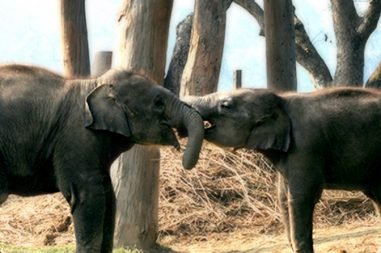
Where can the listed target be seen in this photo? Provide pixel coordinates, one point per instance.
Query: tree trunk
(143, 28)
(202, 69)
(74, 38)
(350, 47)
(280, 45)
(179, 56)
(352, 33)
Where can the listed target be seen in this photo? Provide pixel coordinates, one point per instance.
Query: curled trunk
(183, 116)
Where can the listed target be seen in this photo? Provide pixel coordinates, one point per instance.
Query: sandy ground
(355, 238)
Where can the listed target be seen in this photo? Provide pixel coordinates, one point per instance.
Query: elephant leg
(87, 198)
(283, 205)
(3, 187)
(109, 218)
(302, 196)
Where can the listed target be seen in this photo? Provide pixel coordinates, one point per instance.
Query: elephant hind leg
(3, 187)
(283, 205)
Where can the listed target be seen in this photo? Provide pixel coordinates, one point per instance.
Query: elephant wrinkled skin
(62, 135)
(328, 139)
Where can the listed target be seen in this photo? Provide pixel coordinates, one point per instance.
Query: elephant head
(246, 118)
(135, 107)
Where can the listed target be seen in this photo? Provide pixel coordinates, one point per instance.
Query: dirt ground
(45, 220)
(230, 206)
(355, 238)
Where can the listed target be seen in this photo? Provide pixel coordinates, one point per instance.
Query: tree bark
(352, 33)
(280, 45)
(179, 56)
(74, 38)
(143, 28)
(306, 54)
(308, 57)
(201, 72)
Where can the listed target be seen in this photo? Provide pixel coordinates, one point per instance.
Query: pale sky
(31, 35)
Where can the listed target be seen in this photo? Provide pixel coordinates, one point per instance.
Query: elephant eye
(159, 104)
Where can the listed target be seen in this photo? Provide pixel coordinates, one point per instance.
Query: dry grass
(235, 190)
(227, 192)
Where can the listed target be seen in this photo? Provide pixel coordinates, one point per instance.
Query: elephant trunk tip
(190, 163)
(193, 148)
(187, 122)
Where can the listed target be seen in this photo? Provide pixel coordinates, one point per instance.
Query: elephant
(325, 139)
(62, 135)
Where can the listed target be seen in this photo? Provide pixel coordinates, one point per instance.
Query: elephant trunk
(183, 116)
(205, 105)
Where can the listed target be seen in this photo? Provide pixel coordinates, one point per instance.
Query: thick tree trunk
(352, 33)
(306, 53)
(201, 72)
(74, 38)
(350, 47)
(280, 45)
(143, 28)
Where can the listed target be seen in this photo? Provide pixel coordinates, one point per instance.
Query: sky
(33, 36)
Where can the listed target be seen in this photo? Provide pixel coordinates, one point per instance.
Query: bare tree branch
(309, 58)
(306, 54)
(227, 4)
(345, 17)
(255, 10)
(370, 19)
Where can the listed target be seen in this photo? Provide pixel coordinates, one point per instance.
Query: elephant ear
(272, 132)
(103, 112)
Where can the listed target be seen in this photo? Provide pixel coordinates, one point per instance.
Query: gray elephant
(328, 139)
(62, 135)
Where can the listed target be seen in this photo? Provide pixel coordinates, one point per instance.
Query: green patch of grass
(53, 249)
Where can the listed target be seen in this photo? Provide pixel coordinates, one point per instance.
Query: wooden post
(237, 79)
(143, 29)
(74, 38)
(280, 44)
(102, 62)
(202, 70)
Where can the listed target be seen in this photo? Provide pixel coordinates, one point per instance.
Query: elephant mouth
(168, 135)
(209, 126)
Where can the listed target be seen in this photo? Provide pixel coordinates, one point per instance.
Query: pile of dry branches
(231, 190)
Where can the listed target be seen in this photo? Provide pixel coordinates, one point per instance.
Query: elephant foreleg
(301, 225)
(87, 199)
(302, 197)
(109, 218)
